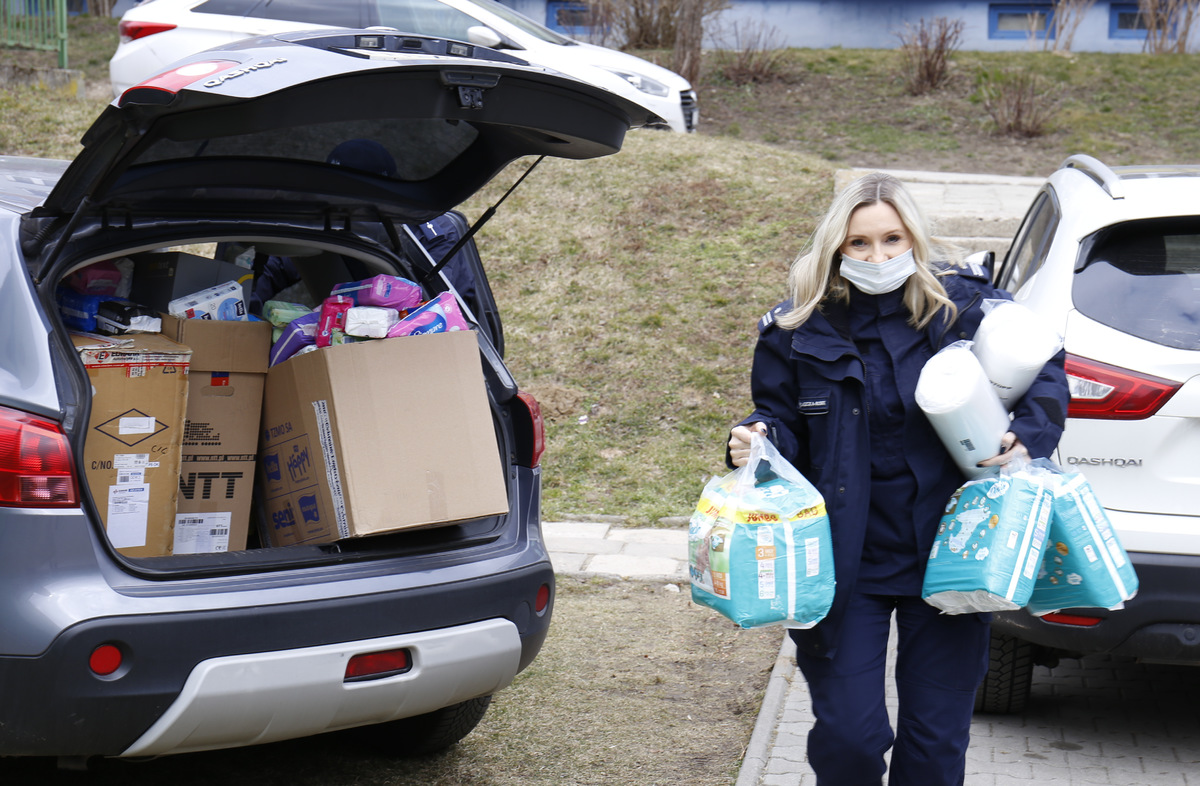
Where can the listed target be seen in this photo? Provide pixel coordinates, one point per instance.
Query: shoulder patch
(768, 318)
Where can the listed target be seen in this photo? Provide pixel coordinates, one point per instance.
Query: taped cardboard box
(348, 449)
(220, 438)
(135, 434)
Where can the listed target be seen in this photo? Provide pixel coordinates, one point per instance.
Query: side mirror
(484, 36)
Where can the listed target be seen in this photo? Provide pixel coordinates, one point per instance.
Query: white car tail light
(36, 470)
(1106, 392)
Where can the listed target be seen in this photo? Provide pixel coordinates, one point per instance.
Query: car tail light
(169, 83)
(1099, 390)
(36, 470)
(376, 665)
(1072, 619)
(132, 31)
(543, 598)
(530, 454)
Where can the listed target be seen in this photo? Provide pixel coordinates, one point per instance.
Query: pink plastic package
(99, 278)
(440, 315)
(391, 291)
(333, 318)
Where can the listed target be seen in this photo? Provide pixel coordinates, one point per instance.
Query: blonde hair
(814, 276)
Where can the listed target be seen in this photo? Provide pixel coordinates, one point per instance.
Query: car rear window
(408, 150)
(1143, 278)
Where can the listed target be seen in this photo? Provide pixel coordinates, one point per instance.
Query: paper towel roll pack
(962, 406)
(989, 544)
(759, 546)
(1012, 344)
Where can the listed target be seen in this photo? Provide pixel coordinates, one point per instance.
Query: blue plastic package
(759, 545)
(1085, 564)
(989, 544)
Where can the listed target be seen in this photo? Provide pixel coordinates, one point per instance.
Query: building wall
(874, 24)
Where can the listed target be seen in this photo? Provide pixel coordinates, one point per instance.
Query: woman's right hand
(739, 442)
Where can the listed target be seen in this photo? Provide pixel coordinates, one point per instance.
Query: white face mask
(877, 278)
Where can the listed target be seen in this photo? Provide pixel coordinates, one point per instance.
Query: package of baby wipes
(1012, 344)
(759, 545)
(1085, 564)
(962, 406)
(990, 543)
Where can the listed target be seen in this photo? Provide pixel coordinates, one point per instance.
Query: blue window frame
(1021, 20)
(1125, 21)
(568, 16)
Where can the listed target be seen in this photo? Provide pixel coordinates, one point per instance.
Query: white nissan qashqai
(1112, 257)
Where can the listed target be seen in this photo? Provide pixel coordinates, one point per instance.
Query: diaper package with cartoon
(989, 544)
(1085, 564)
(759, 546)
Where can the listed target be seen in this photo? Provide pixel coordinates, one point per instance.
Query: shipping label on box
(133, 449)
(345, 446)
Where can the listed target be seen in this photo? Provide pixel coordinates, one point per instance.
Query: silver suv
(1112, 257)
(106, 649)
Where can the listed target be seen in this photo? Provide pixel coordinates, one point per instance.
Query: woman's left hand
(1010, 449)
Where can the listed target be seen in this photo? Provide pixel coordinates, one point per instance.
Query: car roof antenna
(483, 219)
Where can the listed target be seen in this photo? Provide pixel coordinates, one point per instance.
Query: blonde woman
(834, 375)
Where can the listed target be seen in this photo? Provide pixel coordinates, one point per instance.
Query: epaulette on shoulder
(967, 269)
(768, 319)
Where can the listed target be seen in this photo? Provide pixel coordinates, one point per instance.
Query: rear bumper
(1162, 623)
(54, 705)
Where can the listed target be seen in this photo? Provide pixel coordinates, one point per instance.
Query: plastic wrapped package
(759, 545)
(989, 544)
(439, 315)
(300, 332)
(1012, 344)
(962, 406)
(382, 290)
(1085, 564)
(331, 325)
(279, 313)
(223, 302)
(370, 321)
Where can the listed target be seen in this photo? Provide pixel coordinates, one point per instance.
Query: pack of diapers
(759, 545)
(990, 543)
(1085, 564)
(962, 406)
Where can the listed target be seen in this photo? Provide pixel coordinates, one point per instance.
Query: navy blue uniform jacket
(807, 386)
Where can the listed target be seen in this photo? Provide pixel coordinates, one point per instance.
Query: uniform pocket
(815, 407)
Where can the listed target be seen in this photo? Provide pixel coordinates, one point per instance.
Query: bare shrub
(689, 38)
(1168, 25)
(925, 51)
(1068, 14)
(650, 24)
(1021, 103)
(748, 52)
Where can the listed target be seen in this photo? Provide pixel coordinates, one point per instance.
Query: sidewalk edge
(758, 751)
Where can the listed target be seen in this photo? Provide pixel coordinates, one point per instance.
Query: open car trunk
(332, 157)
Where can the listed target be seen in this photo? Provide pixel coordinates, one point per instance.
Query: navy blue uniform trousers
(941, 659)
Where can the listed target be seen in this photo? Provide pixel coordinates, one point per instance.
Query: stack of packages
(177, 369)
(1028, 535)
(379, 307)
(759, 545)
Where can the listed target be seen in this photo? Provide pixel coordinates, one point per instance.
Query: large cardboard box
(220, 438)
(379, 436)
(162, 276)
(135, 433)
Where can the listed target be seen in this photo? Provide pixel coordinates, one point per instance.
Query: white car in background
(1112, 257)
(155, 33)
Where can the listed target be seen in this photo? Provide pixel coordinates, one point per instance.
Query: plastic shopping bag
(759, 545)
(990, 543)
(1085, 564)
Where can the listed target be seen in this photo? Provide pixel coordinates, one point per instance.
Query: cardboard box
(377, 436)
(135, 433)
(220, 438)
(162, 276)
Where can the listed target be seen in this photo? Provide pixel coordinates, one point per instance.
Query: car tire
(422, 735)
(1005, 687)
